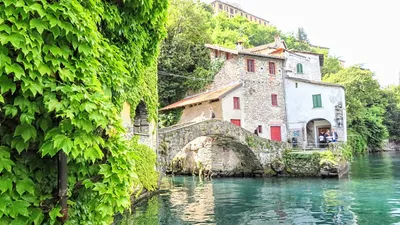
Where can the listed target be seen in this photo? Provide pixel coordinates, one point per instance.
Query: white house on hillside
(312, 106)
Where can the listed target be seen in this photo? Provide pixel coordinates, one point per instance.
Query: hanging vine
(66, 67)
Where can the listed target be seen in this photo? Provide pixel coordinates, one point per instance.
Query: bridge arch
(253, 153)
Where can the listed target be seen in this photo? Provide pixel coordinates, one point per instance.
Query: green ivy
(66, 67)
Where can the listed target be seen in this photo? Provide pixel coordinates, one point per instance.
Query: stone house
(312, 106)
(273, 90)
(248, 91)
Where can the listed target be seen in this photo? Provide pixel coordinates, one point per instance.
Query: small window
(274, 99)
(236, 103)
(300, 68)
(317, 101)
(220, 6)
(231, 11)
(250, 65)
(228, 55)
(265, 23)
(271, 67)
(241, 14)
(296, 85)
(260, 129)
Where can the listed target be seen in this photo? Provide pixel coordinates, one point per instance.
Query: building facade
(273, 91)
(233, 10)
(248, 91)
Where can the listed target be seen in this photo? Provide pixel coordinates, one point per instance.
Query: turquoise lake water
(370, 194)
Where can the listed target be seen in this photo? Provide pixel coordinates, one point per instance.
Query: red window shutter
(259, 129)
(274, 99)
(276, 133)
(236, 103)
(250, 65)
(271, 68)
(236, 122)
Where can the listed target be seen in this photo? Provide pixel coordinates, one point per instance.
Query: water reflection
(369, 195)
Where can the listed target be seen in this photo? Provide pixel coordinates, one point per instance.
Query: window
(250, 65)
(296, 85)
(271, 67)
(265, 23)
(274, 99)
(236, 103)
(216, 53)
(220, 6)
(241, 14)
(231, 11)
(227, 55)
(317, 102)
(299, 68)
(259, 129)
(236, 122)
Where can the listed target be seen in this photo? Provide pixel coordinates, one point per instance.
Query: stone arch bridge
(231, 150)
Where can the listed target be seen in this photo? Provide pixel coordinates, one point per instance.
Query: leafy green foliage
(66, 67)
(145, 161)
(227, 31)
(392, 114)
(302, 35)
(365, 106)
(183, 52)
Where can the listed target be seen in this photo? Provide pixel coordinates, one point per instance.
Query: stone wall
(391, 146)
(325, 164)
(302, 164)
(224, 148)
(257, 90)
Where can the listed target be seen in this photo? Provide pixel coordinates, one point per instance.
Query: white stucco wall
(228, 111)
(300, 111)
(310, 62)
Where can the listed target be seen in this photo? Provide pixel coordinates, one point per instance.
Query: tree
(365, 106)
(392, 114)
(302, 35)
(66, 67)
(228, 31)
(331, 65)
(183, 53)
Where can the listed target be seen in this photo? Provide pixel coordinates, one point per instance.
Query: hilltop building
(232, 10)
(273, 91)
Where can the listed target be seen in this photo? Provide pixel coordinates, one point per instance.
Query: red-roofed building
(248, 91)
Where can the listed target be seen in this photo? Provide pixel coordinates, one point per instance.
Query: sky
(356, 31)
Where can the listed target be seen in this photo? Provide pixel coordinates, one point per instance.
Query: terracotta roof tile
(203, 97)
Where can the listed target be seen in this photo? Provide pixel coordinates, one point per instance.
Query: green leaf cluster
(392, 114)
(66, 68)
(365, 107)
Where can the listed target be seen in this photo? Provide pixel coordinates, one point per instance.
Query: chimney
(239, 45)
(277, 39)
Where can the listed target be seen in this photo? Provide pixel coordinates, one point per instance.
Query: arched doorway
(313, 128)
